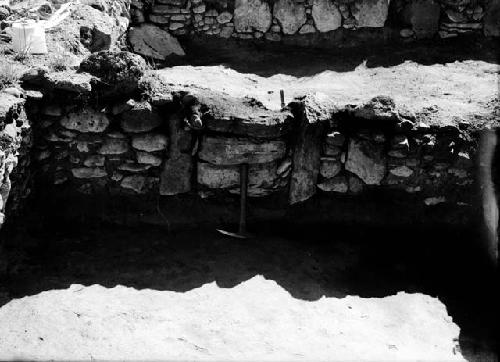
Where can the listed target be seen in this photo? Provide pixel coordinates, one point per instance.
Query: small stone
(114, 146)
(455, 16)
(285, 166)
(53, 110)
(355, 184)
(335, 184)
(86, 121)
(122, 107)
(273, 37)
(401, 171)
(136, 183)
(94, 160)
(224, 17)
(329, 167)
(148, 158)
(307, 29)
(335, 139)
(133, 167)
(406, 33)
(199, 9)
(141, 118)
(150, 142)
(88, 172)
(430, 201)
(212, 13)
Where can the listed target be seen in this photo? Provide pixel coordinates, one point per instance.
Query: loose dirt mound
(256, 320)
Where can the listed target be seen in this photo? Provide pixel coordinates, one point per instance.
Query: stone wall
(140, 147)
(15, 144)
(302, 21)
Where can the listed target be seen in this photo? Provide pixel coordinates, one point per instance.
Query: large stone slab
(366, 160)
(153, 42)
(261, 177)
(176, 175)
(370, 13)
(313, 114)
(86, 120)
(233, 151)
(178, 167)
(252, 15)
(423, 16)
(290, 14)
(326, 15)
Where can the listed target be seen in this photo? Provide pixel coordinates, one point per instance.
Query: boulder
(233, 151)
(326, 15)
(370, 13)
(250, 15)
(86, 120)
(150, 142)
(290, 14)
(119, 72)
(366, 160)
(141, 118)
(491, 19)
(153, 42)
(423, 17)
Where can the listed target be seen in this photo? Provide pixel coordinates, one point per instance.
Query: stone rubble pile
(15, 145)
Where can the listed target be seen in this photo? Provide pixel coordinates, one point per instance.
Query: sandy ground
(141, 294)
(255, 320)
(444, 93)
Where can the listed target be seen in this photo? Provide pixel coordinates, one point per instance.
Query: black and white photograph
(249, 180)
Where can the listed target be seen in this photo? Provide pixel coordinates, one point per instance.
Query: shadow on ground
(309, 262)
(266, 61)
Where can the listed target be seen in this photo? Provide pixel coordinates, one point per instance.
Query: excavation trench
(364, 184)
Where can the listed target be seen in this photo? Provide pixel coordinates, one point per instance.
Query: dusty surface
(203, 296)
(255, 320)
(440, 93)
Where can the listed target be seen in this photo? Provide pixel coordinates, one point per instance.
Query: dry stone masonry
(137, 146)
(155, 27)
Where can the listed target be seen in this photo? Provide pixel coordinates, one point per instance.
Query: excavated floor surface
(442, 83)
(298, 265)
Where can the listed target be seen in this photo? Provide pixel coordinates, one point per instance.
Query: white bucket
(29, 37)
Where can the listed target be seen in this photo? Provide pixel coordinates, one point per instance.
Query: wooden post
(282, 97)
